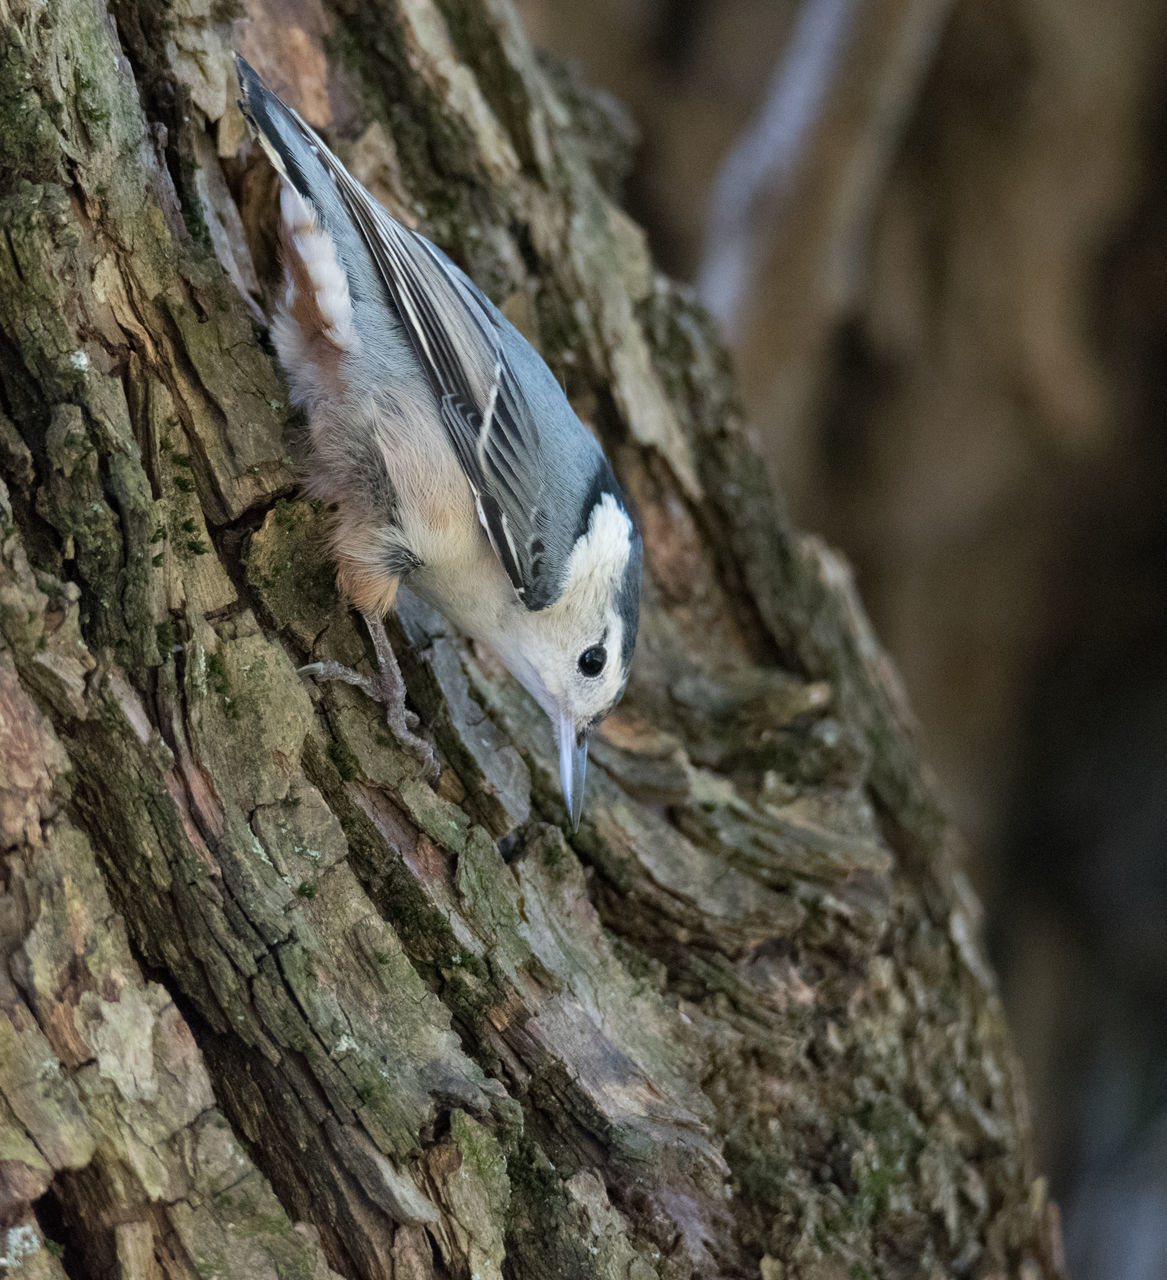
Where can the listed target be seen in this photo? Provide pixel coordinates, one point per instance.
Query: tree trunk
(275, 1006)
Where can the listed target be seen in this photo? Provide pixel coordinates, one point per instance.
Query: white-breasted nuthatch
(451, 454)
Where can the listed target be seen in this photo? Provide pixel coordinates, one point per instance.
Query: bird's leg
(386, 687)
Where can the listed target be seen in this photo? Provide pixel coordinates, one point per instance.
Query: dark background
(936, 236)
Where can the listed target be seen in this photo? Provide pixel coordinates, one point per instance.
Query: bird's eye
(591, 661)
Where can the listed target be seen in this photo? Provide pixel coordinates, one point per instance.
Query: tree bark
(275, 1006)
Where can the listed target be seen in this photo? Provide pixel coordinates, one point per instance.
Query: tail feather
(310, 170)
(314, 328)
(286, 140)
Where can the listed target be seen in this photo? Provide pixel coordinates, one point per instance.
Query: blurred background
(935, 234)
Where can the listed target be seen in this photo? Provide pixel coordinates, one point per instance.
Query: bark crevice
(290, 1010)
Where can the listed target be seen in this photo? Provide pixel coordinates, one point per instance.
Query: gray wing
(461, 342)
(458, 340)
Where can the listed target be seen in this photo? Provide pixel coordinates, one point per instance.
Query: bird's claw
(331, 670)
(419, 748)
(384, 689)
(403, 721)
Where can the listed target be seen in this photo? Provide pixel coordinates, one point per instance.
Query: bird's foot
(388, 688)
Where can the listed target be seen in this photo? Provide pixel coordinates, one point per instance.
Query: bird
(447, 451)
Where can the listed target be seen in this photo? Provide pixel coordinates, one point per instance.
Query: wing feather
(517, 474)
(497, 451)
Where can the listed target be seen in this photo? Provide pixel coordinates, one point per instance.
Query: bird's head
(574, 655)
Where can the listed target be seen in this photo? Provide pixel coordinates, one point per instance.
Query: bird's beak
(573, 766)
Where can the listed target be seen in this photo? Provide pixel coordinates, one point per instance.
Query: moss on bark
(276, 1006)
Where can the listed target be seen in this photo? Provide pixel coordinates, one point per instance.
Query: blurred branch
(795, 196)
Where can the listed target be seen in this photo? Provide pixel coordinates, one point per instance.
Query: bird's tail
(290, 144)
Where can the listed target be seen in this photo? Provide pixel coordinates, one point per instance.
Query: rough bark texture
(274, 1006)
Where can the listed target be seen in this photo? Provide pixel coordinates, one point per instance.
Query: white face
(574, 649)
(579, 663)
(571, 655)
